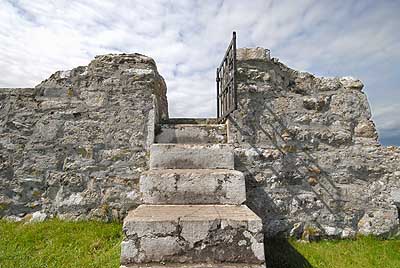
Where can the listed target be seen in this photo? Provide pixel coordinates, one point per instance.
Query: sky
(188, 38)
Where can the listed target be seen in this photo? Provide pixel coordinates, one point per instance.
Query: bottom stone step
(216, 235)
(196, 265)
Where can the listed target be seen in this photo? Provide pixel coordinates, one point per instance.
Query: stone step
(192, 234)
(191, 156)
(191, 133)
(192, 121)
(194, 265)
(193, 186)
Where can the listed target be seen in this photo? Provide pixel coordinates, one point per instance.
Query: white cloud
(387, 119)
(187, 39)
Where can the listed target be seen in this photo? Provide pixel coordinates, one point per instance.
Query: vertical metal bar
(218, 99)
(234, 72)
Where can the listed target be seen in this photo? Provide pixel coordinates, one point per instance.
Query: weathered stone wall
(310, 153)
(75, 145)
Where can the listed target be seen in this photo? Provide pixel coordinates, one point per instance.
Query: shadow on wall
(279, 253)
(297, 167)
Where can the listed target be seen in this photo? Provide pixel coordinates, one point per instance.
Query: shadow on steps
(279, 253)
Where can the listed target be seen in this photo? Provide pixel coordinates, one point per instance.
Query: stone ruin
(299, 158)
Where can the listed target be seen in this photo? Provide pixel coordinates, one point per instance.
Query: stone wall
(310, 153)
(75, 145)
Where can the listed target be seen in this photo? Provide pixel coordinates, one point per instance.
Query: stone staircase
(192, 216)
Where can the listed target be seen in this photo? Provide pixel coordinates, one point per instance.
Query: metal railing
(226, 82)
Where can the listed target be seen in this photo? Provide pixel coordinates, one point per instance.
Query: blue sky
(187, 39)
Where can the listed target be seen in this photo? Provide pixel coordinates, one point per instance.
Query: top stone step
(191, 134)
(190, 121)
(190, 131)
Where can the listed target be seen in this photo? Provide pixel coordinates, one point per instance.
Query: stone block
(193, 186)
(349, 82)
(366, 129)
(191, 133)
(379, 222)
(191, 156)
(211, 234)
(257, 53)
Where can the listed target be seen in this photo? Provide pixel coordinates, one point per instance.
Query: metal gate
(226, 82)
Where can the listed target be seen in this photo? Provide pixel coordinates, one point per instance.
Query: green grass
(364, 252)
(57, 243)
(89, 244)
